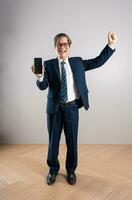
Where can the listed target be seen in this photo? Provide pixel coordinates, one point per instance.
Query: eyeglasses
(62, 44)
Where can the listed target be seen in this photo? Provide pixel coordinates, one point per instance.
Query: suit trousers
(66, 119)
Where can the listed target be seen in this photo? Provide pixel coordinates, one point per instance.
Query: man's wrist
(40, 78)
(111, 46)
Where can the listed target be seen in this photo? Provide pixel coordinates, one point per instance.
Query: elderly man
(64, 77)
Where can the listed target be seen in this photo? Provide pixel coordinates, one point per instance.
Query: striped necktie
(63, 92)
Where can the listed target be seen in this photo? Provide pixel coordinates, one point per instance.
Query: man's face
(62, 48)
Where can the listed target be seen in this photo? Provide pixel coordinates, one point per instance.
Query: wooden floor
(104, 173)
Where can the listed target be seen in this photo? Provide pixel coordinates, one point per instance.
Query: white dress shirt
(72, 91)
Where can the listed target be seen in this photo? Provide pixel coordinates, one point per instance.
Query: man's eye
(64, 44)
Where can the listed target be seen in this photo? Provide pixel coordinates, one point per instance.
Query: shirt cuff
(40, 79)
(111, 47)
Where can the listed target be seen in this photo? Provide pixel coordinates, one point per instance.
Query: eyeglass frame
(62, 44)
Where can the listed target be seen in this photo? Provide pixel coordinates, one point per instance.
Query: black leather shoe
(51, 178)
(71, 178)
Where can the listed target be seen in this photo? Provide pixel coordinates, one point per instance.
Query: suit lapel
(56, 67)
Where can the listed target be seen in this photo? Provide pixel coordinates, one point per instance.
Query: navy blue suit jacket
(78, 66)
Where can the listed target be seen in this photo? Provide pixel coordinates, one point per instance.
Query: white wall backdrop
(27, 29)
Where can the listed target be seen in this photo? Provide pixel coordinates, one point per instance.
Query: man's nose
(62, 47)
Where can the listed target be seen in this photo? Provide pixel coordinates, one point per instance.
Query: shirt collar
(66, 60)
